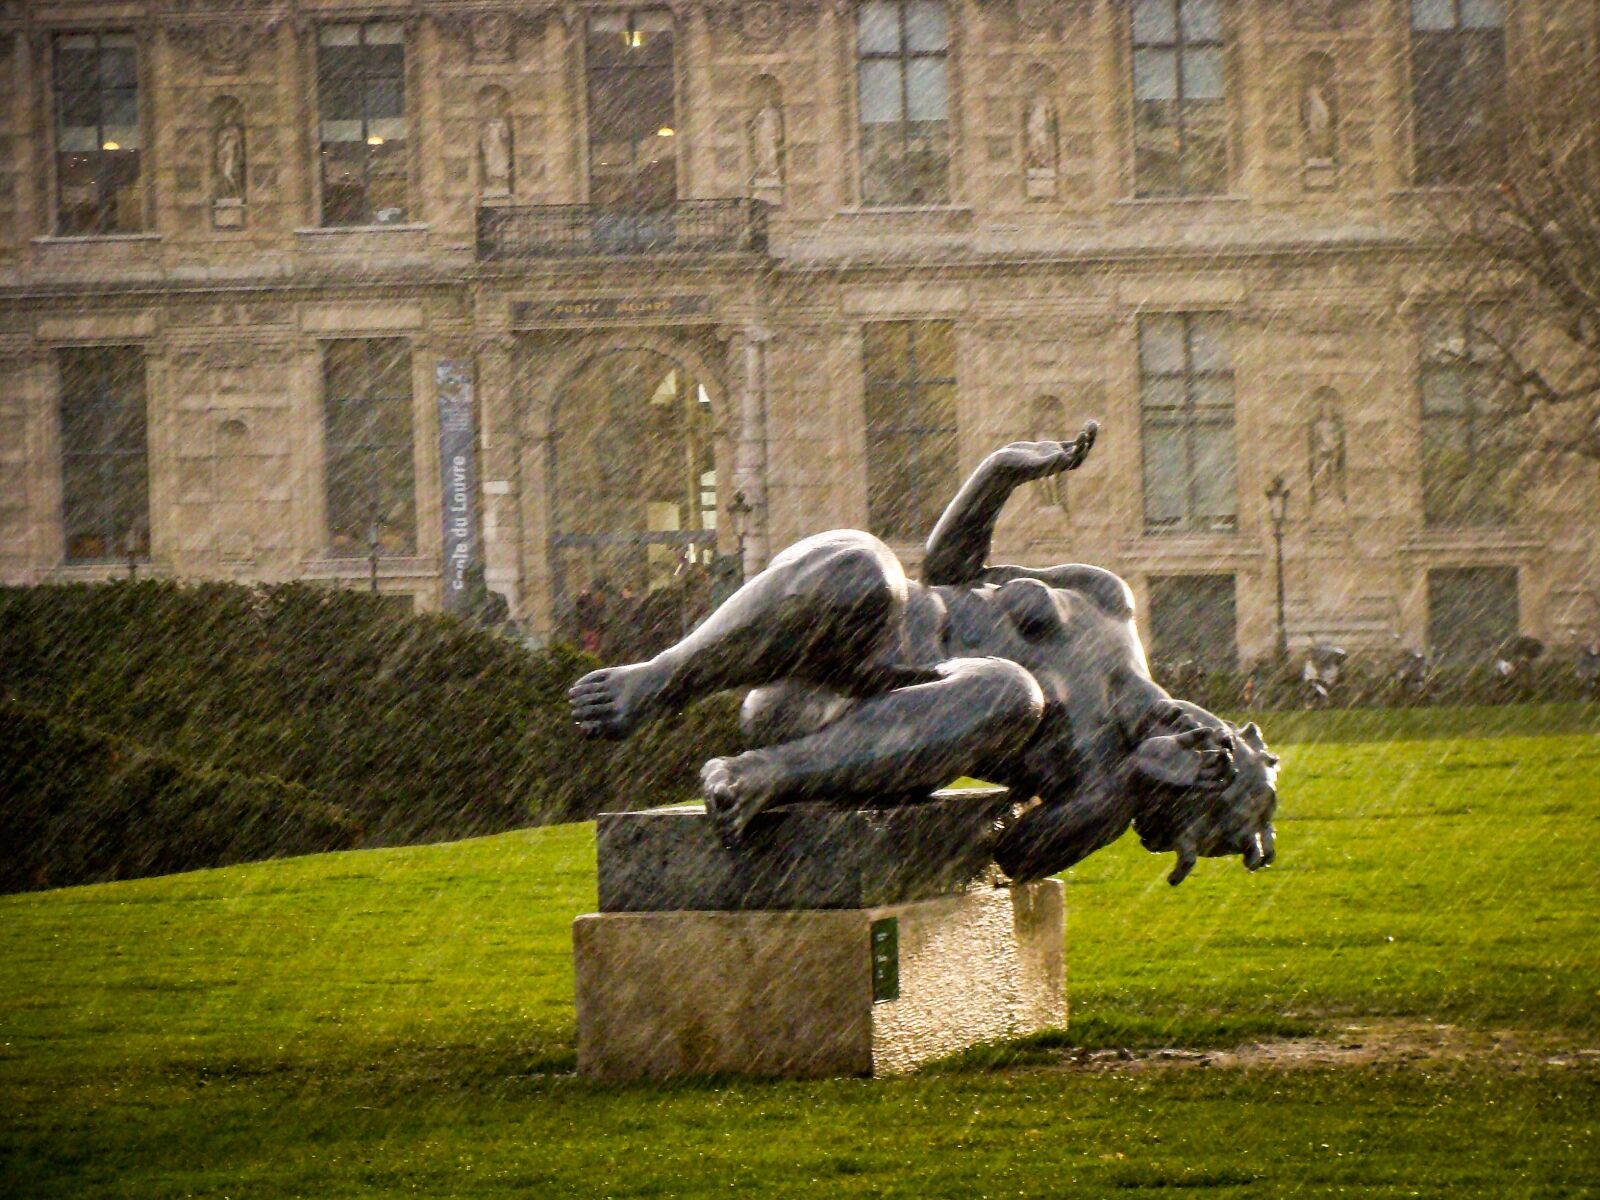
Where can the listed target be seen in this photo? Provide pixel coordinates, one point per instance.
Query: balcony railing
(511, 234)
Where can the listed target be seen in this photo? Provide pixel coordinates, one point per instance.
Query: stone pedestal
(870, 952)
(803, 856)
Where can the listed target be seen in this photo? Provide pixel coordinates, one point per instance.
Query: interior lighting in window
(666, 131)
(374, 140)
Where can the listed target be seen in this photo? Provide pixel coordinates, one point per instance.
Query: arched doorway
(633, 503)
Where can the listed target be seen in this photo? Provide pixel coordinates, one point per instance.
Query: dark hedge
(421, 727)
(78, 806)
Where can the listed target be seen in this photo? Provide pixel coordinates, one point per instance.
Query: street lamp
(1278, 511)
(373, 548)
(739, 512)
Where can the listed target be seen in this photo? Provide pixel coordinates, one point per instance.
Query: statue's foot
(614, 701)
(736, 790)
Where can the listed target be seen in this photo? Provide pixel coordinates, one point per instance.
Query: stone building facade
(725, 272)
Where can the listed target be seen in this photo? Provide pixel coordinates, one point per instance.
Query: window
(361, 103)
(105, 492)
(903, 48)
(1193, 620)
(633, 123)
(1471, 611)
(1186, 408)
(911, 425)
(1458, 79)
(1464, 464)
(1180, 136)
(97, 134)
(369, 472)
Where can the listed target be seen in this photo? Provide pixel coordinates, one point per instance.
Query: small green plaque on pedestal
(886, 959)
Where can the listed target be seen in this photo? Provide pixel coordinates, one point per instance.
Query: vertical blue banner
(458, 471)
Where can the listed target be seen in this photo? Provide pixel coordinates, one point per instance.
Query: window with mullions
(902, 53)
(1458, 83)
(1180, 121)
(632, 113)
(1464, 463)
(910, 376)
(1186, 416)
(97, 134)
(369, 471)
(361, 109)
(105, 491)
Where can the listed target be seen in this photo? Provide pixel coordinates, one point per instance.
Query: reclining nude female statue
(868, 685)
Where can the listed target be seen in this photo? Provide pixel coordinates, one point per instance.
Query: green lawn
(400, 1021)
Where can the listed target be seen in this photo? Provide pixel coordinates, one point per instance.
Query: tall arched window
(97, 134)
(910, 384)
(1180, 130)
(1458, 82)
(902, 52)
(633, 123)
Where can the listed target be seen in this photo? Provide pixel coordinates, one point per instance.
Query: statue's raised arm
(958, 547)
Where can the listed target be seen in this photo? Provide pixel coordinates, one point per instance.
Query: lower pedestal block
(802, 994)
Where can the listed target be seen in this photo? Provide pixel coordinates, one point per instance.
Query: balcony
(689, 227)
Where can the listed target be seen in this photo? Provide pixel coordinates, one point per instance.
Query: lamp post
(739, 512)
(372, 553)
(1278, 510)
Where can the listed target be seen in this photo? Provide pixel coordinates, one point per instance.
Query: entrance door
(634, 504)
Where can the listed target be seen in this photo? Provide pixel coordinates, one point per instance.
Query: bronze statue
(867, 685)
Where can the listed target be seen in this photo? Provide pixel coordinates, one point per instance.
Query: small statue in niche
(1317, 117)
(228, 159)
(1326, 446)
(494, 150)
(766, 146)
(1039, 148)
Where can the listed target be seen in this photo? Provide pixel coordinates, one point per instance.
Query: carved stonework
(1329, 15)
(762, 22)
(224, 46)
(492, 37)
(1037, 14)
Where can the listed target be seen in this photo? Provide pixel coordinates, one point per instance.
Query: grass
(400, 1021)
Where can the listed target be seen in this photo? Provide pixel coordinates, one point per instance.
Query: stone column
(695, 123)
(36, 398)
(747, 350)
(167, 544)
(497, 438)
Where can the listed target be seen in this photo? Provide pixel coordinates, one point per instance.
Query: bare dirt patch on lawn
(1372, 1043)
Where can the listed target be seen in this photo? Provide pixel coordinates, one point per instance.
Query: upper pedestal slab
(801, 856)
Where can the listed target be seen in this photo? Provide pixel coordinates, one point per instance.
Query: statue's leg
(974, 715)
(830, 609)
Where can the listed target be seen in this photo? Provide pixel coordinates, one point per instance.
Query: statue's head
(1216, 823)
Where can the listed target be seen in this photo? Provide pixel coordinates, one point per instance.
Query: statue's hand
(1166, 716)
(1021, 462)
(1201, 758)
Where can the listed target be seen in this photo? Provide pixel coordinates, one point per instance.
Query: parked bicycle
(1323, 667)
